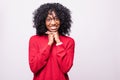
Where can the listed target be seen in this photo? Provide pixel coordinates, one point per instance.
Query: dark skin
(53, 24)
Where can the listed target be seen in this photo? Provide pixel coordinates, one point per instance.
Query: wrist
(59, 43)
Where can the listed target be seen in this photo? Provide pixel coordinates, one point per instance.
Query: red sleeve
(65, 56)
(37, 59)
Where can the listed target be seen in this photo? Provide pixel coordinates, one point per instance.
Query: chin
(53, 30)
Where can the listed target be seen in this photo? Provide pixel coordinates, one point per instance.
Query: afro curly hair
(62, 13)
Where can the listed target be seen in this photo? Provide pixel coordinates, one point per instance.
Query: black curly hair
(62, 13)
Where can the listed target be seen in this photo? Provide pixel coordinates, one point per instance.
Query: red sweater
(50, 62)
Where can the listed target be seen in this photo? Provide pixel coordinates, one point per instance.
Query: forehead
(51, 14)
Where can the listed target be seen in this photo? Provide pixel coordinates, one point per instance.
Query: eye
(56, 19)
(48, 19)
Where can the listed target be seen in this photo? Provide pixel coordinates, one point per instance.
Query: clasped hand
(53, 36)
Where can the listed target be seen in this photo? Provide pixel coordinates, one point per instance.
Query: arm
(37, 59)
(65, 56)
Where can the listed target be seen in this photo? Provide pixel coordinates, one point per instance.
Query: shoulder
(34, 37)
(67, 39)
(38, 39)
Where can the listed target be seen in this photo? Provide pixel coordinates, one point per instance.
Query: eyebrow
(52, 16)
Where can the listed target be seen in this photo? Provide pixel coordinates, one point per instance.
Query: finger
(55, 33)
(48, 32)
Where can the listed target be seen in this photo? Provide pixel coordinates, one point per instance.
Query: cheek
(47, 24)
(58, 23)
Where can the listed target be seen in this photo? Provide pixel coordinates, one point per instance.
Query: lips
(53, 27)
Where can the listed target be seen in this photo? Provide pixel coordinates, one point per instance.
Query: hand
(53, 36)
(50, 37)
(56, 37)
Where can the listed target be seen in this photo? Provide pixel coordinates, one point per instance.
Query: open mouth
(53, 28)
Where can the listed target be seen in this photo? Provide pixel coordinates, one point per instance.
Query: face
(52, 22)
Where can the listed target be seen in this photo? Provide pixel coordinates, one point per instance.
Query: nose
(53, 22)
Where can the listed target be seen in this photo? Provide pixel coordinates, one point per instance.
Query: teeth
(53, 27)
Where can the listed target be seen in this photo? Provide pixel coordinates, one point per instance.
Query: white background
(95, 28)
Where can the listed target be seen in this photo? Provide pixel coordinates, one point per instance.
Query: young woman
(51, 51)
